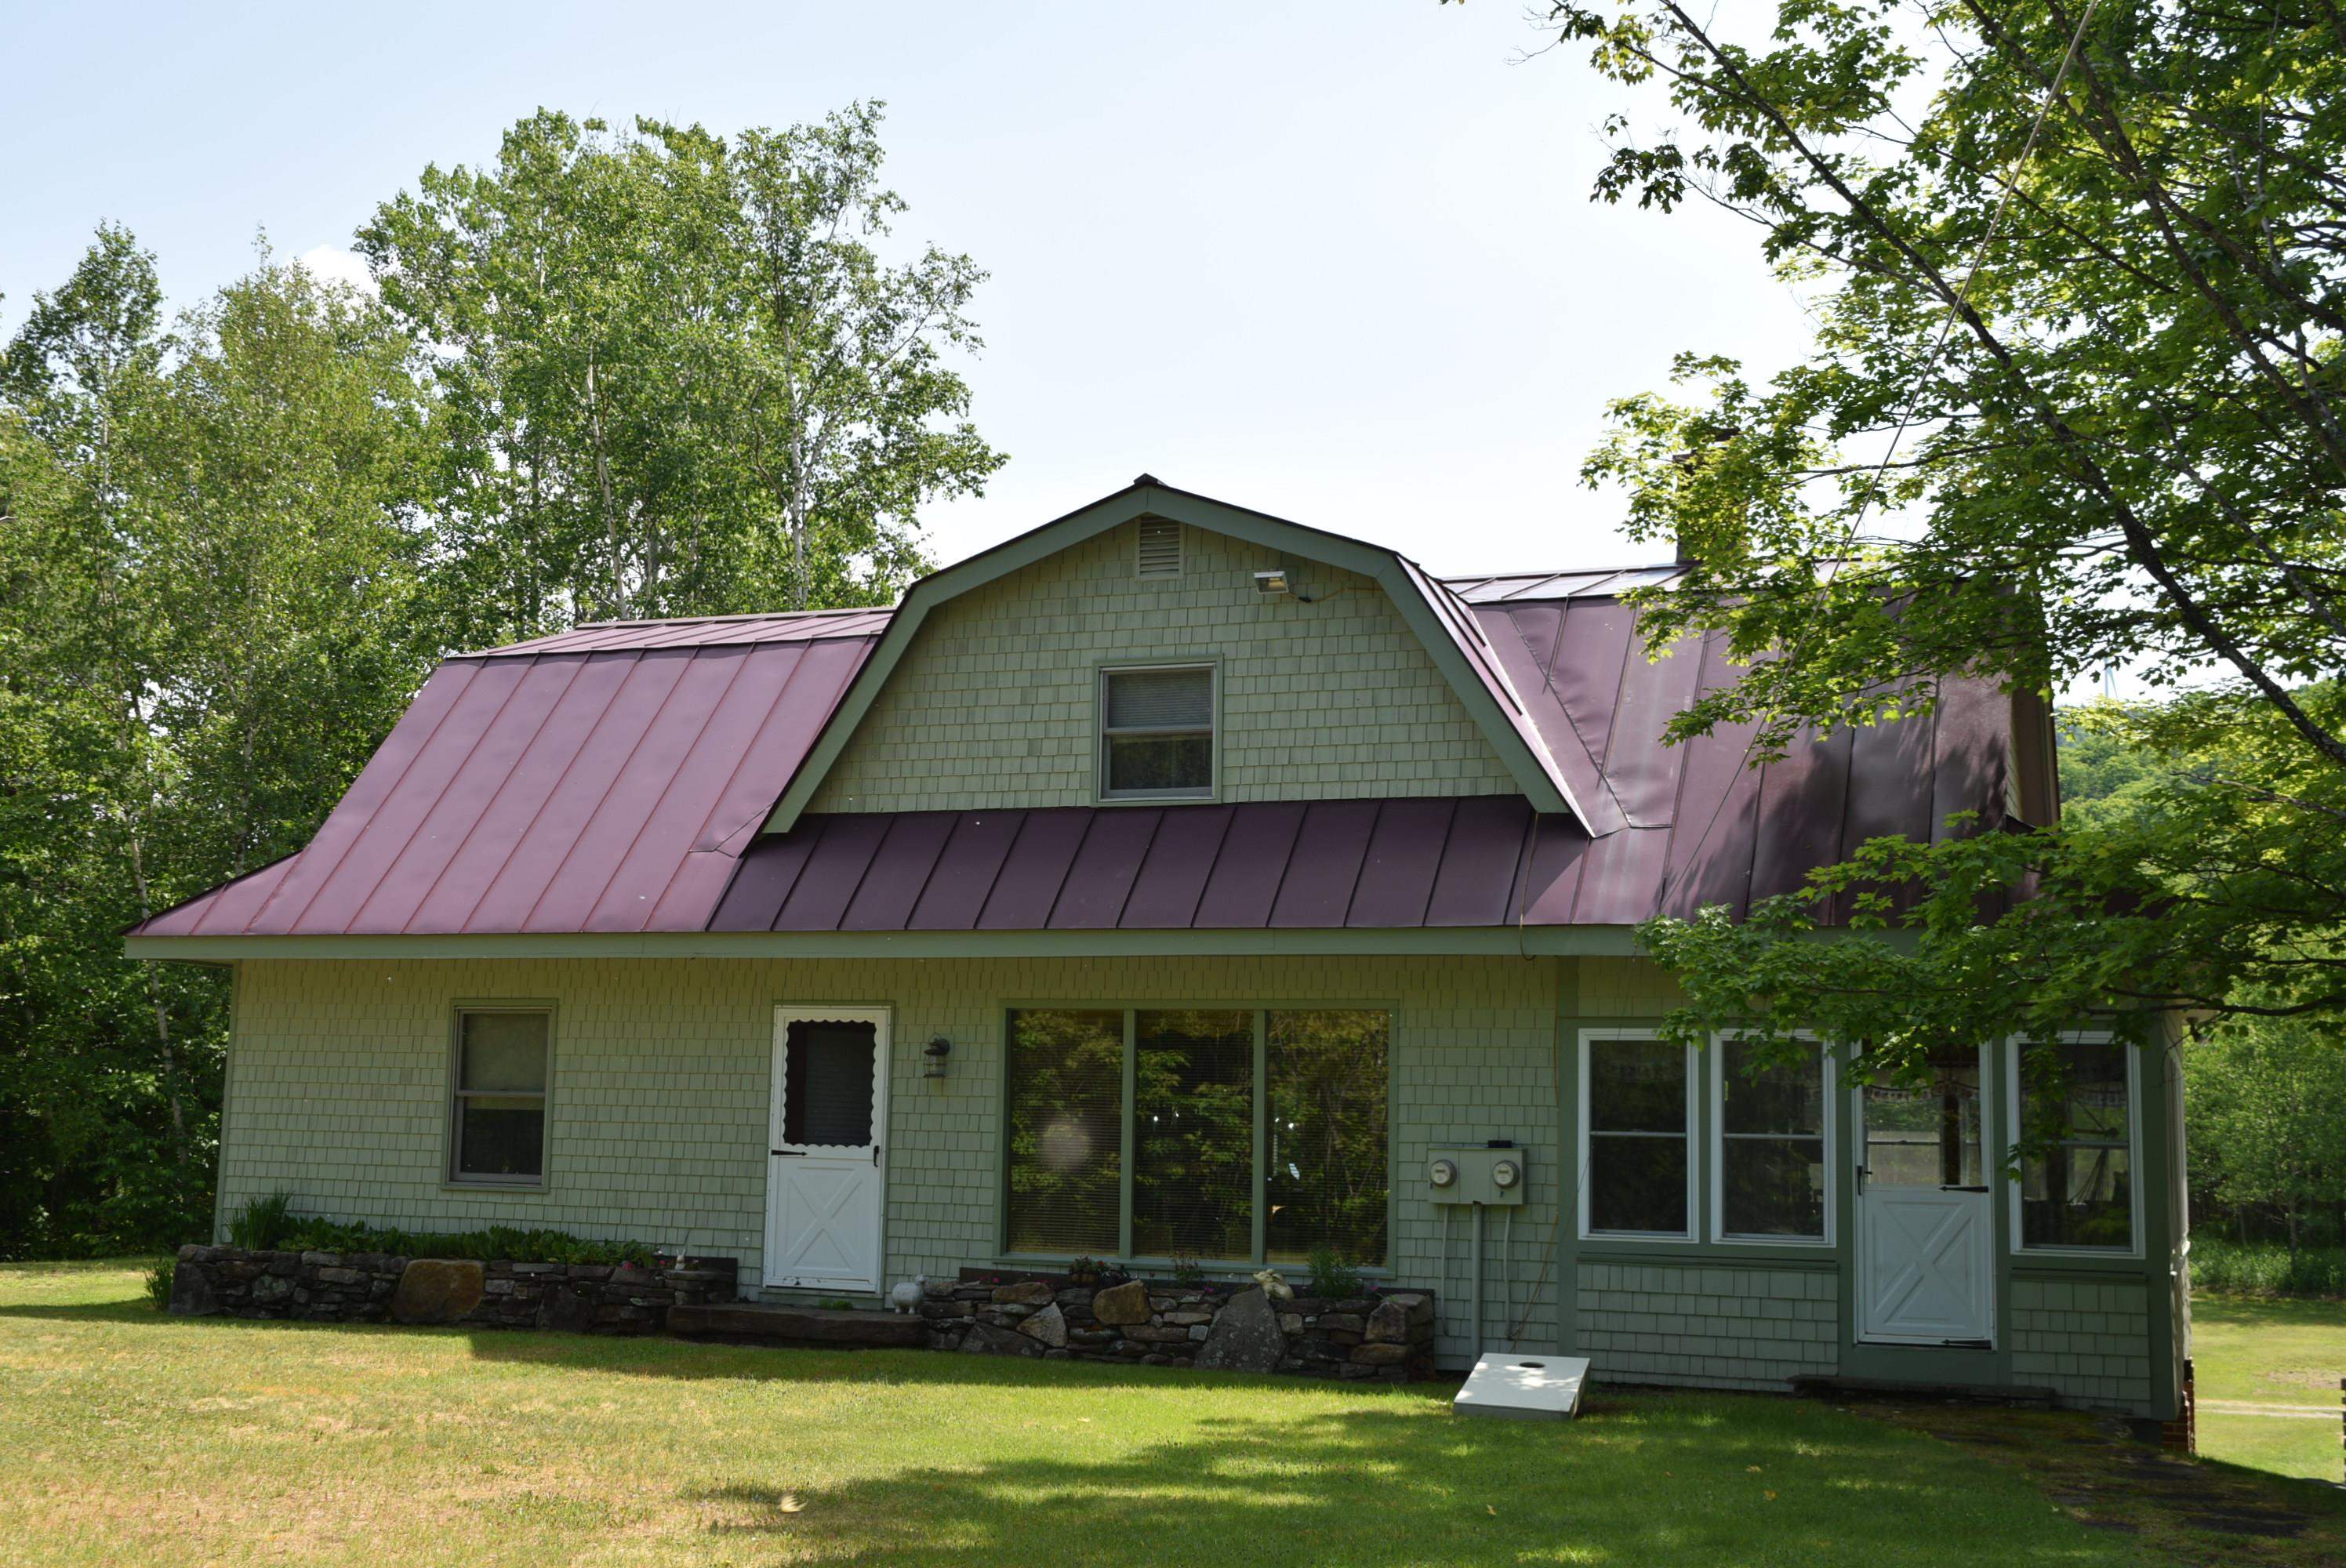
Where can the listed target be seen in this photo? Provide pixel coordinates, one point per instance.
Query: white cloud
(342, 266)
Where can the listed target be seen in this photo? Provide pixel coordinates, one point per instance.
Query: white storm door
(1925, 1244)
(826, 1181)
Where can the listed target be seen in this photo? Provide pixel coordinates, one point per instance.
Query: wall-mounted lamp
(1272, 582)
(936, 1050)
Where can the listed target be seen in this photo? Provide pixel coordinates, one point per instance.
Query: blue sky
(1335, 261)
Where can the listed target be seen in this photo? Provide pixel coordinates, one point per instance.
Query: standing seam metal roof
(614, 777)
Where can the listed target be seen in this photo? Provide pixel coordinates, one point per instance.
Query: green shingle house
(1176, 884)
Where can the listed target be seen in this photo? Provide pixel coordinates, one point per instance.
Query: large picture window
(497, 1114)
(1254, 1134)
(1768, 1163)
(1157, 733)
(1067, 1131)
(1193, 1134)
(2076, 1167)
(1325, 1073)
(1638, 1138)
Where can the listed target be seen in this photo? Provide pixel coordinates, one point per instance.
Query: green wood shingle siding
(338, 1094)
(994, 704)
(2088, 1339)
(657, 1125)
(1710, 1327)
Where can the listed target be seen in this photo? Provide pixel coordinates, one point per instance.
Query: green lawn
(2270, 1352)
(130, 1437)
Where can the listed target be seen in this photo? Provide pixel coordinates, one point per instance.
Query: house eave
(1503, 941)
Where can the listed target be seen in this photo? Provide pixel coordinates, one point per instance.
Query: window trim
(1686, 1237)
(2018, 1178)
(1827, 1129)
(1005, 1010)
(452, 1130)
(1101, 733)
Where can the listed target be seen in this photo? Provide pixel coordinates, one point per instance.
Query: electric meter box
(1477, 1173)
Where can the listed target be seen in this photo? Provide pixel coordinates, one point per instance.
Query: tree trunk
(603, 481)
(166, 1060)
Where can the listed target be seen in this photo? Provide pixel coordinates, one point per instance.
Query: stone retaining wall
(377, 1287)
(1387, 1335)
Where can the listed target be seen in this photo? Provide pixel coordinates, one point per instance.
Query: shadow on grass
(135, 1309)
(1666, 1479)
(662, 1355)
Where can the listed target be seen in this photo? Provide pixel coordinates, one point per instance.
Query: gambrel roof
(1554, 770)
(652, 776)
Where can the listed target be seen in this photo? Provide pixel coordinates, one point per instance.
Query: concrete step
(1832, 1388)
(766, 1322)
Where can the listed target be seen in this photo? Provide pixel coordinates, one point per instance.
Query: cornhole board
(1524, 1387)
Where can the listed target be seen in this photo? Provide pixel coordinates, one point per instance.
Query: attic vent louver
(1160, 550)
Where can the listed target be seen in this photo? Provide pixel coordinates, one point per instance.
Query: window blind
(1160, 698)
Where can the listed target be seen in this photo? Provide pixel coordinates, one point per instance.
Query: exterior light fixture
(1272, 582)
(936, 1050)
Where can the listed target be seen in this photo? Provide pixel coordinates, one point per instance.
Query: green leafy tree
(206, 545)
(2269, 1119)
(673, 374)
(2075, 401)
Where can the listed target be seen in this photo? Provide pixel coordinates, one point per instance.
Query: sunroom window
(1157, 733)
(1771, 1163)
(1193, 1134)
(1246, 1134)
(1067, 1131)
(2076, 1169)
(1638, 1151)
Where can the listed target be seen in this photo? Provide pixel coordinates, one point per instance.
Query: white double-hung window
(1157, 732)
(1770, 1148)
(2080, 1117)
(1636, 1137)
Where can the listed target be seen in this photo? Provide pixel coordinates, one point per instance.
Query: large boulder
(1245, 1336)
(192, 1290)
(1122, 1304)
(1025, 1293)
(1048, 1326)
(437, 1290)
(569, 1307)
(985, 1339)
(1389, 1324)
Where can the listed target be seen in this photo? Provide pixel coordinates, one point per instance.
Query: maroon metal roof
(609, 790)
(1416, 862)
(1606, 582)
(615, 778)
(700, 631)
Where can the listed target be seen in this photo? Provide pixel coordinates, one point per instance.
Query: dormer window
(1157, 733)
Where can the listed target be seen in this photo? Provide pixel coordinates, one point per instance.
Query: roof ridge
(736, 615)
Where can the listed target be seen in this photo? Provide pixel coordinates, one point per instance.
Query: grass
(2270, 1352)
(127, 1436)
(2267, 1268)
